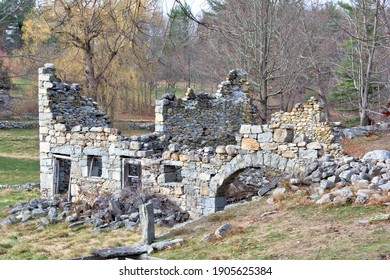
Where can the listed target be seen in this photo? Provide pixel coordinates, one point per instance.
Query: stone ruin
(200, 145)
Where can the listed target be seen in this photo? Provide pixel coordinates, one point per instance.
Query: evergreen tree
(12, 15)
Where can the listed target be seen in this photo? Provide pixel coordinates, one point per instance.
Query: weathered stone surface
(7, 221)
(122, 252)
(265, 137)
(223, 230)
(26, 216)
(385, 187)
(327, 198)
(377, 155)
(38, 213)
(346, 175)
(327, 184)
(220, 150)
(289, 154)
(158, 246)
(309, 155)
(250, 144)
(231, 149)
(314, 146)
(283, 135)
(362, 198)
(147, 222)
(77, 224)
(268, 146)
(256, 129)
(174, 147)
(245, 129)
(279, 191)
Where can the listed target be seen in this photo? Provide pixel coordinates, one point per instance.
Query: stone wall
(73, 128)
(201, 120)
(201, 144)
(284, 141)
(198, 179)
(18, 125)
(307, 120)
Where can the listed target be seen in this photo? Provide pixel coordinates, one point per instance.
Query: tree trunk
(91, 77)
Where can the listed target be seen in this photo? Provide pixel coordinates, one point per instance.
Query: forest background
(127, 53)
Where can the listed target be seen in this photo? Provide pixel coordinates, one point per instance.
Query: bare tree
(363, 25)
(320, 35)
(260, 37)
(99, 29)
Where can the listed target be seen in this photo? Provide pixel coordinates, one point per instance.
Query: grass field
(301, 232)
(19, 156)
(296, 231)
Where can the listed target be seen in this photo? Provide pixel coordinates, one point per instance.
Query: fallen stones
(223, 230)
(104, 214)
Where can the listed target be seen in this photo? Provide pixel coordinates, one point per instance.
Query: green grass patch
(9, 197)
(18, 171)
(19, 143)
(19, 156)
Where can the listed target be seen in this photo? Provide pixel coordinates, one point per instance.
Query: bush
(5, 80)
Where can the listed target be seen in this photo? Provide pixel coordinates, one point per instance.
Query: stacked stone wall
(284, 141)
(201, 120)
(201, 143)
(73, 127)
(18, 125)
(307, 120)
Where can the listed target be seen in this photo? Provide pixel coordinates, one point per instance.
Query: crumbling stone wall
(72, 127)
(308, 120)
(201, 143)
(201, 120)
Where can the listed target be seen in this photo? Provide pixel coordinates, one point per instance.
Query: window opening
(95, 166)
(131, 174)
(172, 174)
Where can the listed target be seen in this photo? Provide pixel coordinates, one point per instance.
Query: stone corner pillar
(146, 215)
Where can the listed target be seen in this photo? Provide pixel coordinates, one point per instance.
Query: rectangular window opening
(172, 174)
(95, 166)
(131, 174)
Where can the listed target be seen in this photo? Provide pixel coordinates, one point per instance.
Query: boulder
(38, 213)
(327, 198)
(327, 184)
(377, 155)
(361, 198)
(385, 187)
(223, 230)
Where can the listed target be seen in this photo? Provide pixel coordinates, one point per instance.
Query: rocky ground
(120, 210)
(344, 180)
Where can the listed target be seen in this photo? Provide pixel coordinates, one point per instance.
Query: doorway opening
(62, 174)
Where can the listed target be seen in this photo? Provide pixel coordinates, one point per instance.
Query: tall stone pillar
(146, 215)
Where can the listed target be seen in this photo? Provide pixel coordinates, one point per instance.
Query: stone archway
(229, 171)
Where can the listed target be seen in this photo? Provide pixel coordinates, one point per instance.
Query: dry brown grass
(297, 230)
(358, 147)
(58, 241)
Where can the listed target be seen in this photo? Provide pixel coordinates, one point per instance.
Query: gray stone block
(213, 204)
(308, 155)
(265, 137)
(147, 222)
